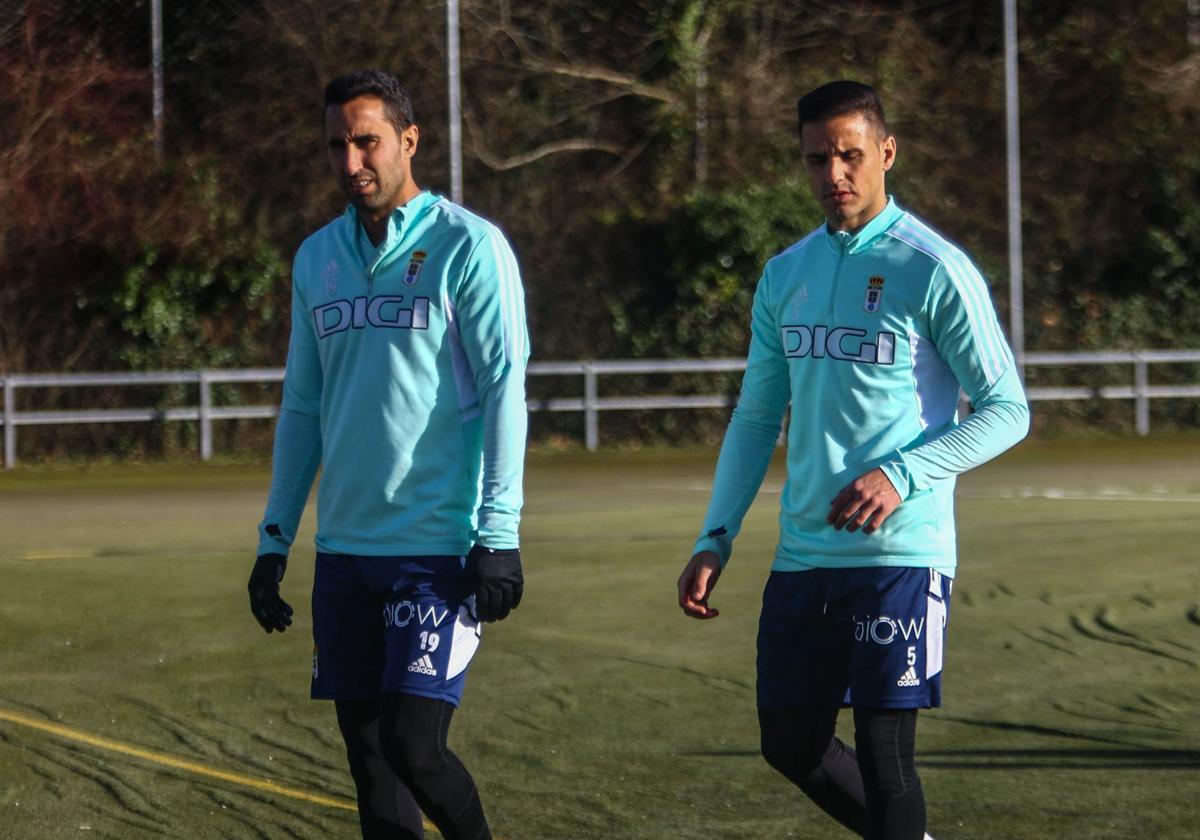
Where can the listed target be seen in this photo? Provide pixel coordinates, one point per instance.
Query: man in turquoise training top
(868, 327)
(405, 383)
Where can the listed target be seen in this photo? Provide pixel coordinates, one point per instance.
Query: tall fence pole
(453, 101)
(1016, 294)
(156, 53)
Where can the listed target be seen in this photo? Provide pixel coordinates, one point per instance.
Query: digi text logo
(884, 630)
(384, 311)
(846, 344)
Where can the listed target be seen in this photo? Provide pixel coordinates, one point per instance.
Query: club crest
(414, 268)
(874, 294)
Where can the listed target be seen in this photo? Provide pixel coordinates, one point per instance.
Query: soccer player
(868, 327)
(405, 383)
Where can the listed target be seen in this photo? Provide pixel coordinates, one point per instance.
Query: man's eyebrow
(356, 139)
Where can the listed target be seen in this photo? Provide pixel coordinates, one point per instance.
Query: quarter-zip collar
(845, 243)
(399, 223)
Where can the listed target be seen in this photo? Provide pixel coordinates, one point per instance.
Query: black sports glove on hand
(271, 611)
(496, 577)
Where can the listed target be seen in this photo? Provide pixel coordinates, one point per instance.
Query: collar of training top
(399, 222)
(844, 242)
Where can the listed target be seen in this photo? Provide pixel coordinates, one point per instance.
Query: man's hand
(696, 584)
(864, 503)
(271, 611)
(495, 575)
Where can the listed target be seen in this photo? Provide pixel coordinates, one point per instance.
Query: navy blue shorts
(868, 637)
(391, 624)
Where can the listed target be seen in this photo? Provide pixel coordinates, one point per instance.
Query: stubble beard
(375, 204)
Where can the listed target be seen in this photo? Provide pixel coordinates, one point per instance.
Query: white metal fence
(590, 403)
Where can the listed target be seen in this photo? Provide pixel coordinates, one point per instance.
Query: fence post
(1141, 385)
(591, 414)
(10, 424)
(206, 445)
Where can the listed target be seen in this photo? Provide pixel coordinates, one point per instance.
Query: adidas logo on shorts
(424, 665)
(909, 679)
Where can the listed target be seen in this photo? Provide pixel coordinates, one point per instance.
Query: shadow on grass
(1119, 754)
(1083, 759)
(1031, 759)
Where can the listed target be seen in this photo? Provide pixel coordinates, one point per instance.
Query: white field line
(705, 487)
(1054, 494)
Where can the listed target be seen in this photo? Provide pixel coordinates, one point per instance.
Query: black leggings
(875, 792)
(396, 747)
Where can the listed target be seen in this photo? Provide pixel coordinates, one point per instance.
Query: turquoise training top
(405, 383)
(869, 336)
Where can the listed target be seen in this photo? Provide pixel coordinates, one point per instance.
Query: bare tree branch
(601, 74)
(575, 144)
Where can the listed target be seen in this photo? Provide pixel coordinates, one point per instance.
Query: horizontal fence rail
(591, 404)
(1140, 390)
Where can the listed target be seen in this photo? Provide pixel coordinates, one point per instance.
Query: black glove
(271, 611)
(495, 575)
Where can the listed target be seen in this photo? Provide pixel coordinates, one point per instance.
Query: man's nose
(837, 170)
(352, 160)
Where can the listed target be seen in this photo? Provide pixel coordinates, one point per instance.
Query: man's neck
(377, 228)
(833, 226)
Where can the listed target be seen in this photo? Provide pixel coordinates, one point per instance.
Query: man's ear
(409, 139)
(888, 152)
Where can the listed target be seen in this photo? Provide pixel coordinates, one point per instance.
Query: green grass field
(597, 711)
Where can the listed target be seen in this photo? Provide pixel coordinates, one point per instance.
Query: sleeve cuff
(720, 546)
(899, 475)
(497, 535)
(272, 544)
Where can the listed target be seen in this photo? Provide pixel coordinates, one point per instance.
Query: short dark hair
(837, 99)
(397, 104)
